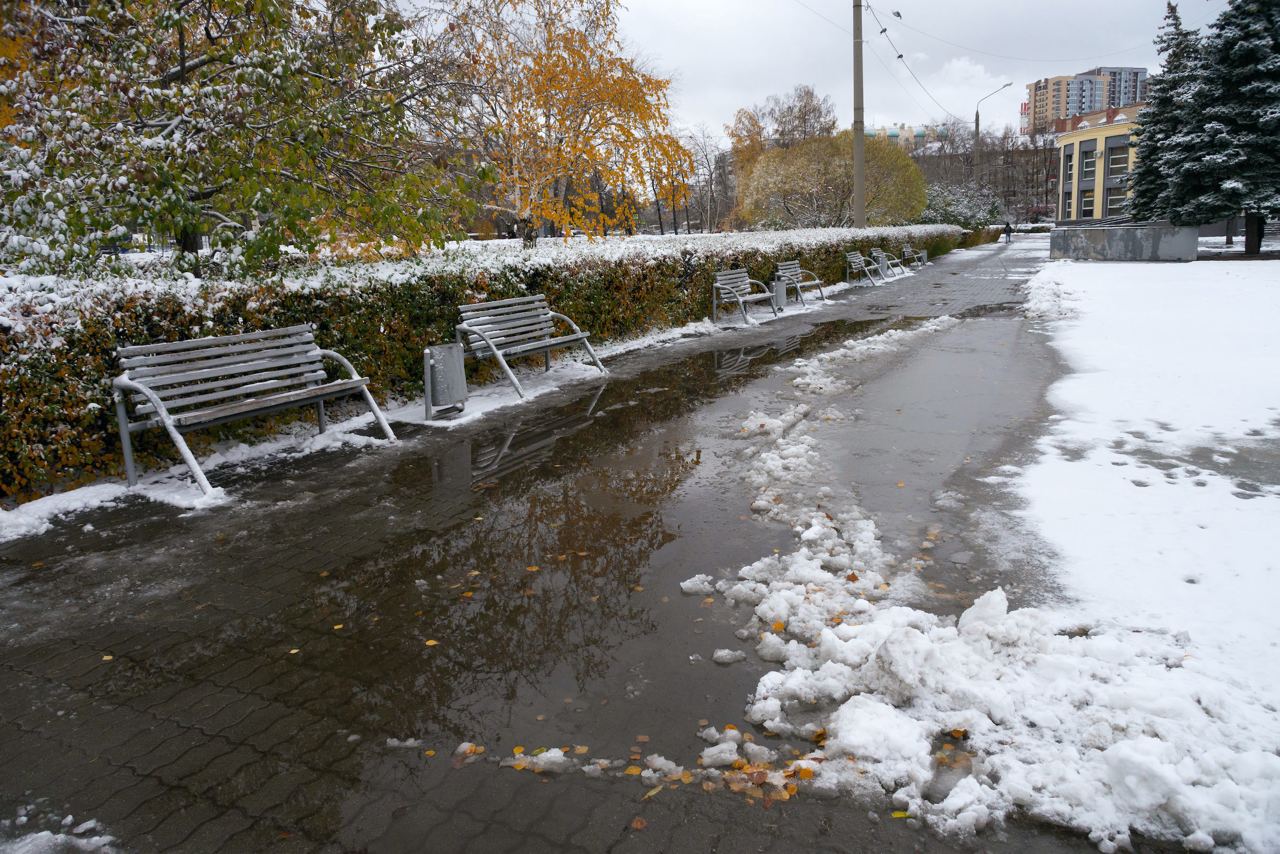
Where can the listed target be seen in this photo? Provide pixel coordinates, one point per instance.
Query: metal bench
(799, 278)
(509, 328)
(858, 265)
(889, 261)
(736, 286)
(913, 257)
(185, 385)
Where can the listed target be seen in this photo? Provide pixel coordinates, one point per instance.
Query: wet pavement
(294, 671)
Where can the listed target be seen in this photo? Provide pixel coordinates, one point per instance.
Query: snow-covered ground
(1146, 703)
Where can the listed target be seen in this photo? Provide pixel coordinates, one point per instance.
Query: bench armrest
(566, 319)
(123, 383)
(470, 330)
(341, 360)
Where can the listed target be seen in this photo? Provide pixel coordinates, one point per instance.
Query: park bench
(889, 261)
(799, 278)
(913, 257)
(185, 385)
(858, 265)
(735, 286)
(510, 328)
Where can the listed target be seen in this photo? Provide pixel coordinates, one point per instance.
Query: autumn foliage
(572, 127)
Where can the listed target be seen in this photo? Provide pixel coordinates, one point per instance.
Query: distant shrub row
(57, 338)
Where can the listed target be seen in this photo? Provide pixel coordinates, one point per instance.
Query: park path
(274, 674)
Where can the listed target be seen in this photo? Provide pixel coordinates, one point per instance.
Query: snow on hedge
(21, 296)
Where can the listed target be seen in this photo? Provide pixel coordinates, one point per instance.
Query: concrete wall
(1125, 243)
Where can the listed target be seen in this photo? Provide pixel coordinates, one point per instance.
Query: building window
(1088, 167)
(1066, 206)
(1117, 162)
(1068, 162)
(1115, 201)
(1086, 204)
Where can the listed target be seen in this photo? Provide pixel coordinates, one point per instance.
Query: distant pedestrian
(1008, 232)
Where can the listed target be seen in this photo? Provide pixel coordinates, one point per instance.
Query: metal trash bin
(779, 293)
(444, 379)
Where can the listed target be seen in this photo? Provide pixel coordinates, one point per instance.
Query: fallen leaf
(642, 739)
(294, 651)
(468, 594)
(432, 642)
(638, 588)
(778, 625)
(580, 749)
(638, 823)
(686, 777)
(517, 750)
(473, 573)
(520, 766)
(532, 568)
(649, 794)
(581, 554)
(428, 753)
(538, 751)
(901, 484)
(108, 657)
(805, 773)
(324, 573)
(633, 770)
(959, 734)
(540, 718)
(337, 626)
(900, 814)
(853, 576)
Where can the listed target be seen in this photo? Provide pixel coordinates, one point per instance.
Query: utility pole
(859, 131)
(977, 138)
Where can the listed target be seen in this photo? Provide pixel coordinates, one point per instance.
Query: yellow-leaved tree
(565, 119)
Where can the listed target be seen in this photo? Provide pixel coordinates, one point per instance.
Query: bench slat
(238, 391)
(195, 343)
(155, 374)
(509, 314)
(234, 370)
(479, 348)
(158, 359)
(513, 327)
(516, 302)
(542, 344)
(254, 404)
(495, 324)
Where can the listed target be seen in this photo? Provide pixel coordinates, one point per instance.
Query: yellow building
(1095, 157)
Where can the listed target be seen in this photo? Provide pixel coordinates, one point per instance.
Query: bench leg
(189, 458)
(546, 361)
(320, 419)
(506, 369)
(126, 443)
(592, 353)
(377, 414)
(800, 295)
(743, 308)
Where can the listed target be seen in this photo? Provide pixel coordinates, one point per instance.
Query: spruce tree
(1235, 157)
(1171, 107)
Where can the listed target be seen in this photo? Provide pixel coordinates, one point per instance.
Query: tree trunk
(188, 240)
(1231, 229)
(528, 233)
(657, 205)
(1253, 225)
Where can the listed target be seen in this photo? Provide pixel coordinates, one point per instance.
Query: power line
(874, 53)
(1036, 59)
(884, 31)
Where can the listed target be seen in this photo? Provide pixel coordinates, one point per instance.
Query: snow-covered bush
(965, 205)
(58, 335)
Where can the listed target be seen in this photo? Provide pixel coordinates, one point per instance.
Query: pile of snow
(1105, 726)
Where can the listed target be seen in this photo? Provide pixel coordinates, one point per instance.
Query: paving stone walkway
(242, 679)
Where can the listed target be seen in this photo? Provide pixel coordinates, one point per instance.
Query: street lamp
(977, 139)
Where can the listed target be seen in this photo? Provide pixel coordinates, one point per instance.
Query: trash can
(444, 379)
(779, 294)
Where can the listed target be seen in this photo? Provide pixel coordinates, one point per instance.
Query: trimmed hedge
(57, 421)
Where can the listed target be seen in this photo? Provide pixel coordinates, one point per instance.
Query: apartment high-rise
(1089, 91)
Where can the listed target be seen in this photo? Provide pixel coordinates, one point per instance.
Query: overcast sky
(726, 54)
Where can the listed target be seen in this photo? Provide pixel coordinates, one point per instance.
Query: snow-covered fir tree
(1233, 159)
(252, 125)
(1172, 107)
